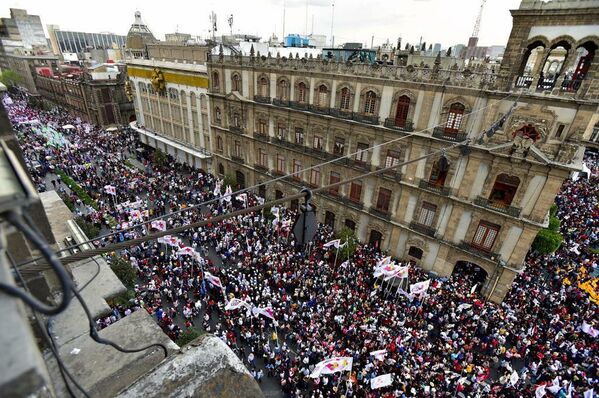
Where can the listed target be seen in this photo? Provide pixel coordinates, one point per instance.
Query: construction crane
(480, 15)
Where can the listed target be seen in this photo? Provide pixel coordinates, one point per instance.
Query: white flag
(267, 312)
(159, 225)
(332, 365)
(275, 212)
(401, 273)
(228, 193)
(381, 381)
(384, 261)
(214, 280)
(420, 287)
(589, 393)
(540, 391)
(555, 387)
(335, 243)
(185, 251)
(111, 190)
(380, 354)
(235, 303)
(514, 378)
(588, 329)
(164, 239)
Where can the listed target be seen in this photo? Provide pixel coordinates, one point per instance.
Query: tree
(90, 230)
(347, 235)
(160, 158)
(547, 241)
(412, 50)
(230, 180)
(10, 78)
(124, 271)
(423, 48)
(448, 53)
(407, 46)
(554, 224)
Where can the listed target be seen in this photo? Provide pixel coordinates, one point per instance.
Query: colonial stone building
(478, 204)
(169, 84)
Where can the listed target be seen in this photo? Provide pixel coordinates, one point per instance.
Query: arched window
(263, 87)
(219, 143)
(217, 115)
(439, 172)
(401, 114)
(301, 92)
(215, 80)
(283, 90)
(528, 131)
(345, 99)
(235, 82)
(454, 118)
(370, 103)
(322, 96)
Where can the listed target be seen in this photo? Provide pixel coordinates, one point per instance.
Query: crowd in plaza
(295, 307)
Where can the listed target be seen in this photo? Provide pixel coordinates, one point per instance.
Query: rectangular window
(485, 235)
(315, 177)
(263, 127)
(355, 191)
(263, 158)
(427, 214)
(560, 131)
(297, 168)
(299, 136)
(237, 149)
(339, 146)
(317, 143)
(362, 152)
(384, 200)
(392, 159)
(333, 179)
(280, 164)
(281, 131)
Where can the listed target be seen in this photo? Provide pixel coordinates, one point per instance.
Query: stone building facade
(169, 85)
(65, 92)
(480, 204)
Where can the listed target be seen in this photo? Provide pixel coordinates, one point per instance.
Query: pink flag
(420, 287)
(159, 225)
(267, 312)
(214, 280)
(401, 273)
(332, 365)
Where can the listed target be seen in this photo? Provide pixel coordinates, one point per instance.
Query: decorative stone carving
(157, 80)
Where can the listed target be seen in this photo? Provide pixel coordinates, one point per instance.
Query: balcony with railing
(341, 114)
(439, 189)
(423, 229)
(368, 119)
(384, 214)
(498, 206)
(237, 159)
(236, 129)
(391, 123)
(261, 137)
(261, 99)
(546, 83)
(353, 203)
(441, 133)
(571, 85)
(261, 167)
(319, 109)
(280, 102)
(302, 106)
(391, 175)
(479, 251)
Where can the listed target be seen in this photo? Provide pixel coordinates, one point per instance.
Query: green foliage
(553, 210)
(547, 241)
(554, 224)
(448, 53)
(160, 158)
(124, 271)
(68, 202)
(123, 299)
(90, 230)
(347, 235)
(187, 336)
(230, 180)
(10, 78)
(80, 192)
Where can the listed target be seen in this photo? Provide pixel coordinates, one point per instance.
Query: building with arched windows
(477, 205)
(169, 85)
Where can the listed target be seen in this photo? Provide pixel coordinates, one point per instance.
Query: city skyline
(421, 18)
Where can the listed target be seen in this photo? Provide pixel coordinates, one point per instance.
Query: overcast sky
(438, 21)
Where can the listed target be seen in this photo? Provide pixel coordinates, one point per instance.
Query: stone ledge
(204, 368)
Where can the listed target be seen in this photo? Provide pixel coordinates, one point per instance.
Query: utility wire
(122, 245)
(210, 201)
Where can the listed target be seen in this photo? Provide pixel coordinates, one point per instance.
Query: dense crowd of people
(541, 341)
